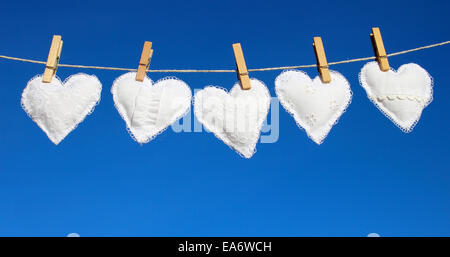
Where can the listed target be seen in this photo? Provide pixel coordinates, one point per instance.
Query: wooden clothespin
(144, 62)
(241, 67)
(53, 59)
(378, 48)
(322, 64)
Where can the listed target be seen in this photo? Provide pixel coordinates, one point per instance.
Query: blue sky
(367, 176)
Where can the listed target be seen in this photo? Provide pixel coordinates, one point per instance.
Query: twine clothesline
(205, 71)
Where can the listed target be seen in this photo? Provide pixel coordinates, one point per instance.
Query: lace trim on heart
(90, 108)
(289, 107)
(402, 97)
(121, 111)
(425, 102)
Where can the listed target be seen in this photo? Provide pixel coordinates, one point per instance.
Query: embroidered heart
(58, 108)
(315, 106)
(236, 117)
(400, 95)
(147, 108)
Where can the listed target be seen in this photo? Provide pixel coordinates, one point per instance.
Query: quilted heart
(147, 108)
(315, 106)
(56, 108)
(236, 117)
(400, 95)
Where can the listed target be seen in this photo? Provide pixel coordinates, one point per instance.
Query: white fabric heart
(147, 108)
(315, 106)
(58, 108)
(400, 95)
(236, 117)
